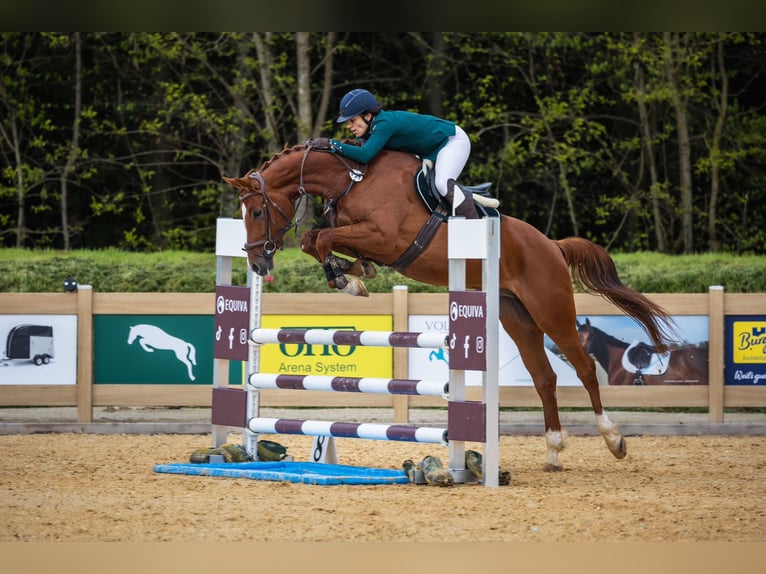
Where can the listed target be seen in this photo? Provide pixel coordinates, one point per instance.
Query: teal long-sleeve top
(419, 134)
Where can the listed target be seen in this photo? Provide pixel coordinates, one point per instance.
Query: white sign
(38, 349)
(433, 364)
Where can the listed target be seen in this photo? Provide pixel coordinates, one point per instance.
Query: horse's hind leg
(569, 344)
(529, 339)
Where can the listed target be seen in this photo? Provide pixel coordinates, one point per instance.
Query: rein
(355, 175)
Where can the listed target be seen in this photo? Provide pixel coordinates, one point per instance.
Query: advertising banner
(327, 360)
(153, 349)
(745, 352)
(232, 321)
(625, 353)
(38, 349)
(434, 364)
(468, 330)
(613, 337)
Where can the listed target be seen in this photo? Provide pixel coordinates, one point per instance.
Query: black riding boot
(466, 208)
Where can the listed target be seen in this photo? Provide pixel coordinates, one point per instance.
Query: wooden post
(85, 354)
(715, 353)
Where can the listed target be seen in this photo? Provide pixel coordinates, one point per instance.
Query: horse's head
(131, 335)
(267, 199)
(585, 332)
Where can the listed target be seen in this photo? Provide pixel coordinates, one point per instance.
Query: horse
(376, 217)
(151, 338)
(637, 363)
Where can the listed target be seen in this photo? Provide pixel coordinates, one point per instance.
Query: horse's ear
(577, 322)
(587, 321)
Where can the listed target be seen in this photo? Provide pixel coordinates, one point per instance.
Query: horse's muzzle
(261, 265)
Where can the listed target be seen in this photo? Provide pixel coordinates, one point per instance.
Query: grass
(115, 271)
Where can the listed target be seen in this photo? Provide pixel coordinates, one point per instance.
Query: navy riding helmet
(356, 103)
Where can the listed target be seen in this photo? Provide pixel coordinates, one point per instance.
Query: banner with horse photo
(624, 354)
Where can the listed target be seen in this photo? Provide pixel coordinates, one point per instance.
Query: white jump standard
(241, 409)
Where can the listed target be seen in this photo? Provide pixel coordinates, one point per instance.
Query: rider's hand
(320, 143)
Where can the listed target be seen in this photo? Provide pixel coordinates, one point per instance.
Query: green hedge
(112, 271)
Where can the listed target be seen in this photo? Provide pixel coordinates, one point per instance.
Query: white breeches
(451, 160)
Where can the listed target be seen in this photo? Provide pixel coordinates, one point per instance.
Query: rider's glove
(320, 144)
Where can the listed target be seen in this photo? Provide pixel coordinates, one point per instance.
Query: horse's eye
(255, 213)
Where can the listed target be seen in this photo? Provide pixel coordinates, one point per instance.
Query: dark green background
(116, 362)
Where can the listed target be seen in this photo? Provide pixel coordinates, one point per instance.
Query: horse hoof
(355, 287)
(369, 271)
(548, 467)
(622, 450)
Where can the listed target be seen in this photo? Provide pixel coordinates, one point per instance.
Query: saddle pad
(657, 363)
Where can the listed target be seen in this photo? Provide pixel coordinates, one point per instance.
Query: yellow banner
(327, 360)
(749, 342)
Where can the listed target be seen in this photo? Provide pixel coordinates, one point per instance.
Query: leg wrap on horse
(334, 273)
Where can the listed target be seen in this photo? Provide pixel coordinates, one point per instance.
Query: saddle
(641, 358)
(479, 194)
(437, 206)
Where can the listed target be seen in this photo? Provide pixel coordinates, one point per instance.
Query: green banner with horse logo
(153, 349)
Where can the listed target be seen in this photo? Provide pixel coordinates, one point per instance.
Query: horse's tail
(593, 270)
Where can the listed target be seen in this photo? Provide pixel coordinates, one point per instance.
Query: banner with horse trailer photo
(38, 349)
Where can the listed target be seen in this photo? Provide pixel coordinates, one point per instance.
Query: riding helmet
(355, 103)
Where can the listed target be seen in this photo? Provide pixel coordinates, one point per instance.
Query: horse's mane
(288, 149)
(610, 339)
(285, 151)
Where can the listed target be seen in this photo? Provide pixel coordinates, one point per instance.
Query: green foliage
(554, 119)
(113, 271)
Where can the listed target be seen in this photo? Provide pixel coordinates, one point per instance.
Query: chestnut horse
(376, 215)
(639, 364)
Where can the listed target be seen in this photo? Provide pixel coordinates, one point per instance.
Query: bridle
(270, 245)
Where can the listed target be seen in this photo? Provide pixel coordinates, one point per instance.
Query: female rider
(441, 141)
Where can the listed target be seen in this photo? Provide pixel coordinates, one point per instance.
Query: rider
(441, 141)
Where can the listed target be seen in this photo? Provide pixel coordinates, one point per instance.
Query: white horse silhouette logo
(151, 338)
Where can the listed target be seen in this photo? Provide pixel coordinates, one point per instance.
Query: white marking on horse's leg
(355, 287)
(556, 442)
(612, 437)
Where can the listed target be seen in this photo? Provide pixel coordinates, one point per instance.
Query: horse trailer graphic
(30, 342)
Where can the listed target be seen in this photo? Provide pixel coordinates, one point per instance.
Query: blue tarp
(302, 472)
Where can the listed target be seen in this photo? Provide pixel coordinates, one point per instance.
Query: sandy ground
(98, 488)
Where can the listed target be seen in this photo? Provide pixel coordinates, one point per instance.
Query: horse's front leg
(358, 267)
(309, 244)
(317, 244)
(356, 238)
